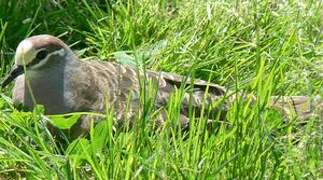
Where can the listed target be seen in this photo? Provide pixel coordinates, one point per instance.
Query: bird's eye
(41, 54)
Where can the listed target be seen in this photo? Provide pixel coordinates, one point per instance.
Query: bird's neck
(56, 67)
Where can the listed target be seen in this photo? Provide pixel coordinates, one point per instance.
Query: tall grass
(261, 47)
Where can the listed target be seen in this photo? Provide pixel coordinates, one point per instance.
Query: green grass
(260, 47)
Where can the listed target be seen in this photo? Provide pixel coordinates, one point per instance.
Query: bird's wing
(162, 77)
(123, 81)
(178, 81)
(197, 93)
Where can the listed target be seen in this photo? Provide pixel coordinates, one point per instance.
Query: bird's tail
(297, 106)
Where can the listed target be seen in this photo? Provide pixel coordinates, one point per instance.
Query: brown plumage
(56, 78)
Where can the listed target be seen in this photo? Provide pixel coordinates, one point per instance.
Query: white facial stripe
(60, 52)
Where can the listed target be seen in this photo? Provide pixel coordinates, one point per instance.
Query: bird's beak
(15, 72)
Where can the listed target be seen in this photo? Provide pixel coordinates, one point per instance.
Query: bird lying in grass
(47, 72)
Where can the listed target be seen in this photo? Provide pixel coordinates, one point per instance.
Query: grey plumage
(63, 83)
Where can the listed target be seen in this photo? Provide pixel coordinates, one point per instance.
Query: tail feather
(297, 106)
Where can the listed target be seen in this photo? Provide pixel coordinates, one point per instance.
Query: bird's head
(34, 53)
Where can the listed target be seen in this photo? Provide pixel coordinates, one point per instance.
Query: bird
(47, 72)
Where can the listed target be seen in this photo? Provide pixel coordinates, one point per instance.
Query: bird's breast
(46, 90)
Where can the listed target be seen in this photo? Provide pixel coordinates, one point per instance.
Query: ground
(261, 47)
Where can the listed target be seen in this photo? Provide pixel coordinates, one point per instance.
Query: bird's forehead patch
(25, 53)
(25, 46)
